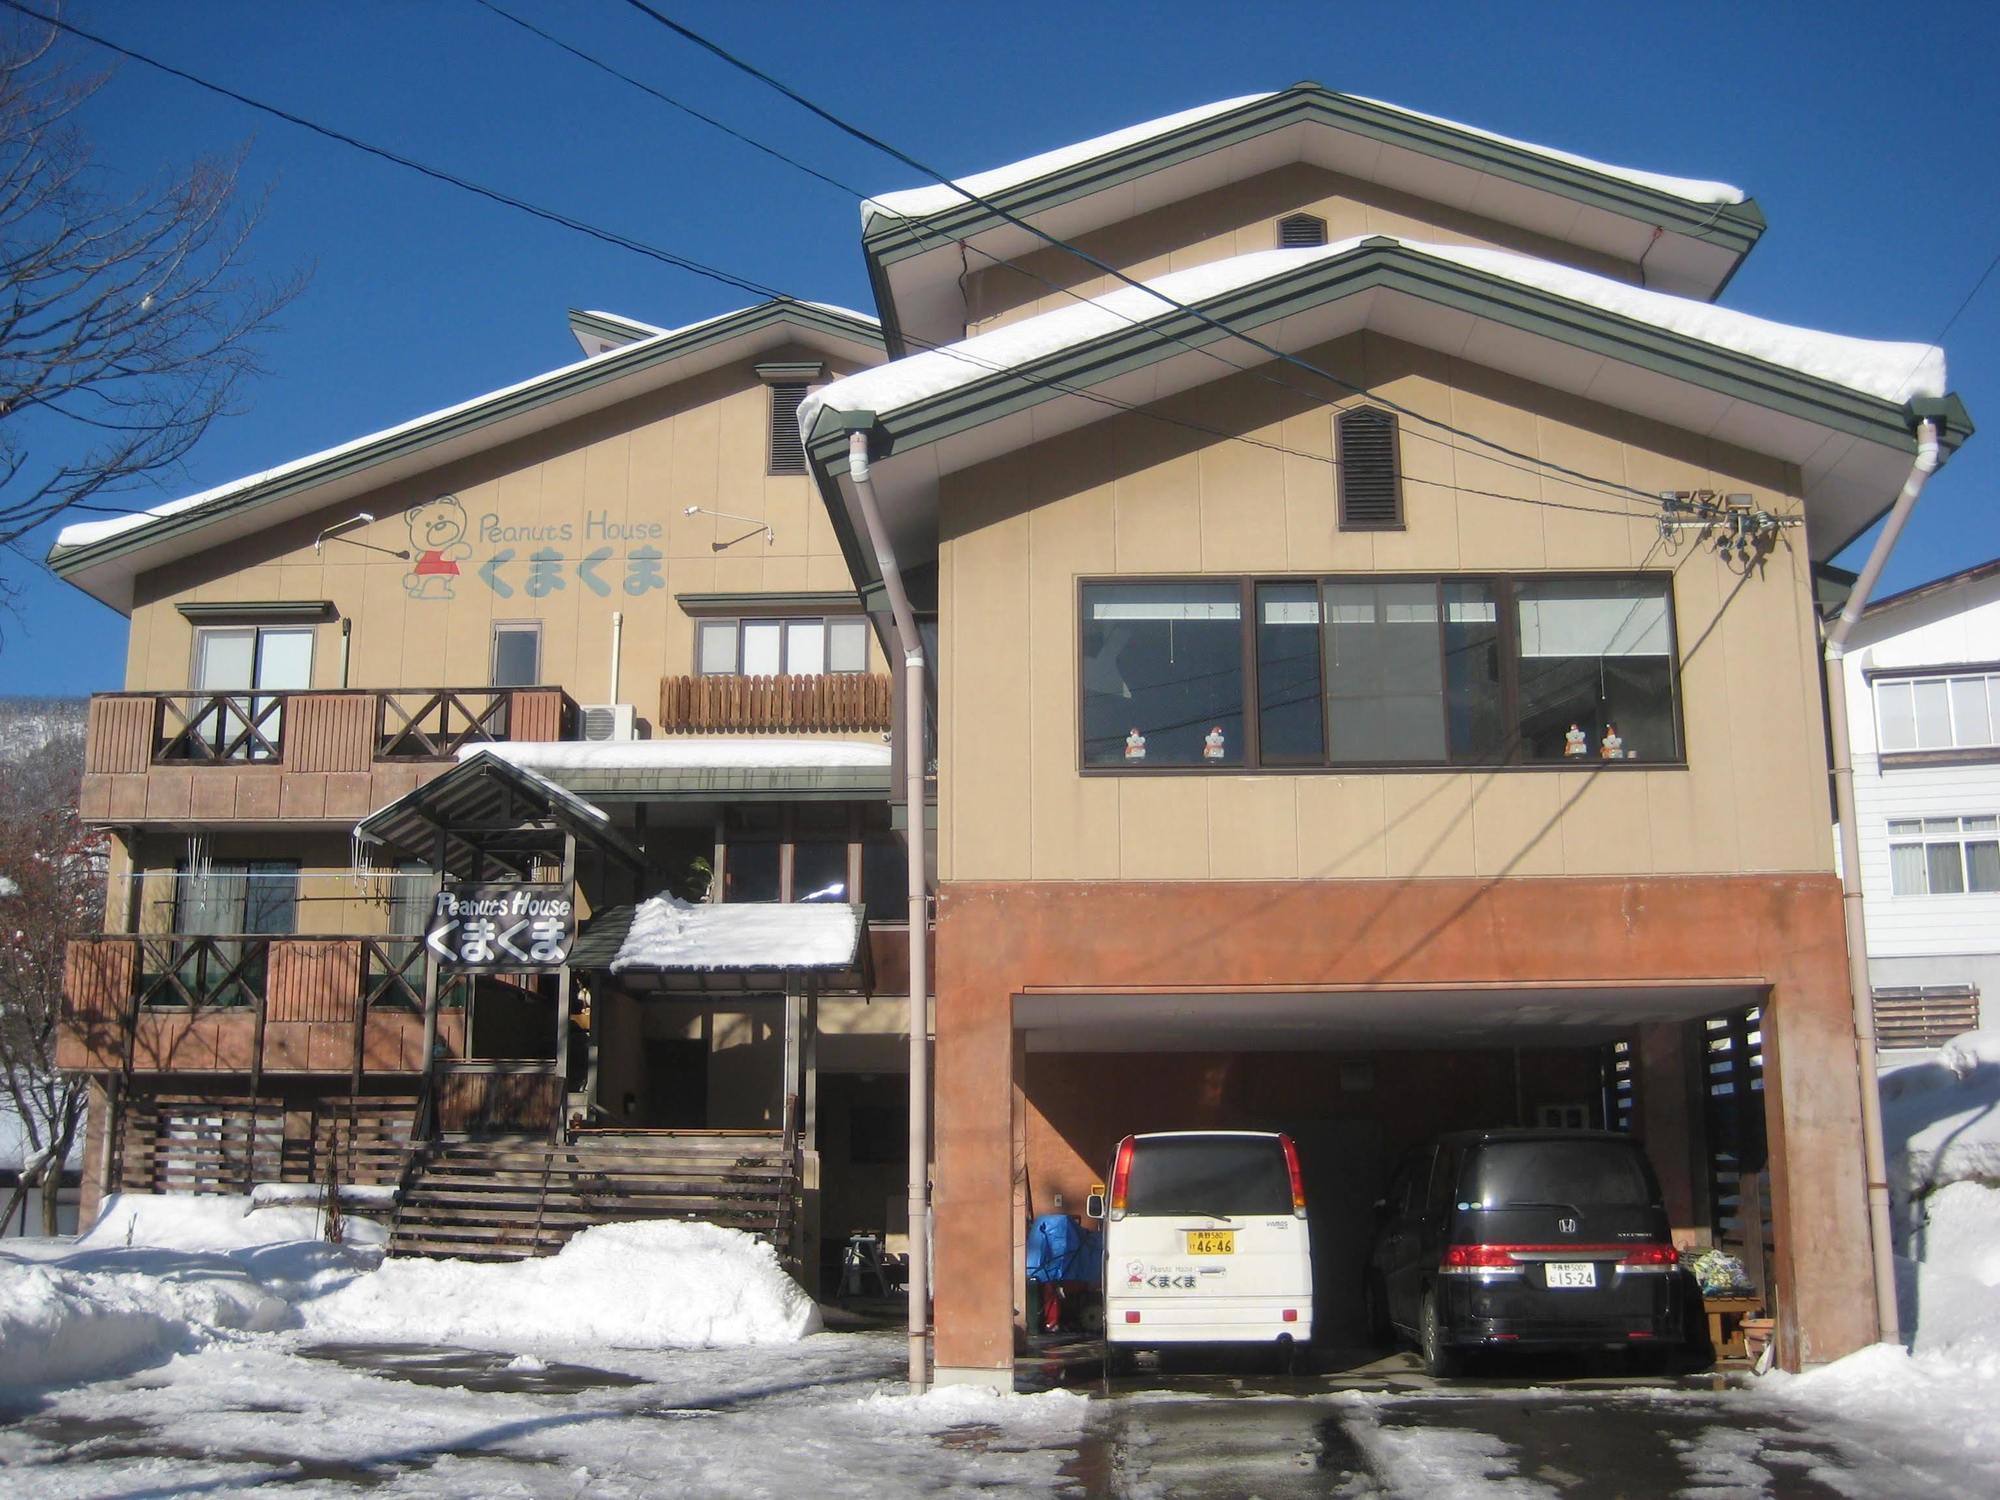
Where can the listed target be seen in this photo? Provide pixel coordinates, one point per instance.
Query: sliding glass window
(1163, 674)
(1595, 660)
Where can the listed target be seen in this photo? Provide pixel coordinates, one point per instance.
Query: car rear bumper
(1641, 1313)
(1207, 1320)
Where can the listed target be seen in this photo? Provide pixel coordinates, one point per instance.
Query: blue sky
(1868, 139)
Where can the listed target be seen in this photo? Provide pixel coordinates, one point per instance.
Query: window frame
(1959, 838)
(1954, 753)
(257, 633)
(1502, 585)
(784, 623)
(515, 627)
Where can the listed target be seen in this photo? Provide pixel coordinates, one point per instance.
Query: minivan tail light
(1664, 1256)
(1121, 1177)
(1478, 1258)
(1298, 1178)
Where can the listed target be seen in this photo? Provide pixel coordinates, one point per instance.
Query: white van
(1205, 1242)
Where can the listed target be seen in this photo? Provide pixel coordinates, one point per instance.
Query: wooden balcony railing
(344, 730)
(836, 701)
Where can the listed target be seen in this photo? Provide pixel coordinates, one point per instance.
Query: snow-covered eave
(102, 556)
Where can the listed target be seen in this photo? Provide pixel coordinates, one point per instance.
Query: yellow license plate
(1211, 1242)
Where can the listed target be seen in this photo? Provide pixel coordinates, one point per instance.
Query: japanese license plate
(1570, 1273)
(1211, 1242)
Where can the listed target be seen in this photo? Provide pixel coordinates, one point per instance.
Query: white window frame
(785, 625)
(1960, 738)
(1926, 834)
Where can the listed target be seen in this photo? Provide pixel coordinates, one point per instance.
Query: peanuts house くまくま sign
(502, 927)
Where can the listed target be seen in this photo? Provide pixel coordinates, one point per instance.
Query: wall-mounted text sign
(494, 928)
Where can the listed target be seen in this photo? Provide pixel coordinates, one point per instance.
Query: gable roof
(1841, 409)
(1691, 234)
(103, 557)
(1977, 573)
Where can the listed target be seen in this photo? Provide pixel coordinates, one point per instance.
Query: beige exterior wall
(333, 898)
(1236, 220)
(621, 479)
(1132, 496)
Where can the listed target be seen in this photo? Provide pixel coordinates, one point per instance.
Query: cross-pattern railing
(392, 977)
(187, 972)
(203, 728)
(432, 723)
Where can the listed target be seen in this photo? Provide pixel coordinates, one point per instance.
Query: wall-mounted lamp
(770, 536)
(333, 534)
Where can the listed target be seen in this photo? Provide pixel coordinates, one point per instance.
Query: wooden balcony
(836, 702)
(213, 758)
(187, 1003)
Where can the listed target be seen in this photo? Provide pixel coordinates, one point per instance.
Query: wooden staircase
(512, 1198)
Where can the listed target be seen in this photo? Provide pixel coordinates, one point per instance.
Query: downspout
(346, 634)
(617, 647)
(1887, 1324)
(913, 788)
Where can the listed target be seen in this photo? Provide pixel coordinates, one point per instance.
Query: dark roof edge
(1733, 226)
(537, 392)
(1977, 573)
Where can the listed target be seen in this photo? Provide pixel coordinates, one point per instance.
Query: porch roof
(490, 809)
(673, 944)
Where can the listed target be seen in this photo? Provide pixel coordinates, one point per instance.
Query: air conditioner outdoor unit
(608, 721)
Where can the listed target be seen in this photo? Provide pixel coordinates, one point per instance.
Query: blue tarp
(1060, 1249)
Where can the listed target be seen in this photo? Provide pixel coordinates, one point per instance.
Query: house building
(1923, 674)
(1365, 588)
(1378, 669)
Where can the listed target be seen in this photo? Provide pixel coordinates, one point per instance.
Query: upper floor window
(247, 657)
(1369, 469)
(806, 647)
(1402, 671)
(1956, 712)
(813, 852)
(1944, 856)
(517, 654)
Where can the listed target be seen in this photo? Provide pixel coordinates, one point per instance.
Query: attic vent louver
(788, 449)
(1371, 491)
(1295, 230)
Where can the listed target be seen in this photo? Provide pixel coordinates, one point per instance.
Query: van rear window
(1209, 1175)
(1601, 1173)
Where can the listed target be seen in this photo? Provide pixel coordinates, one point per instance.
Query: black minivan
(1526, 1239)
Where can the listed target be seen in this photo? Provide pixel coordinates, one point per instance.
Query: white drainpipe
(1875, 1158)
(913, 785)
(617, 644)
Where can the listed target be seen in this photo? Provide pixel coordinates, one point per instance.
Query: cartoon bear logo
(438, 545)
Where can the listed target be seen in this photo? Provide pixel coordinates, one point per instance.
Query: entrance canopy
(1357, 1020)
(667, 944)
(492, 817)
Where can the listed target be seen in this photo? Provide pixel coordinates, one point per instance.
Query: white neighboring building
(1923, 686)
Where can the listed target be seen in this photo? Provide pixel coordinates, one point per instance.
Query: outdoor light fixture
(770, 536)
(359, 518)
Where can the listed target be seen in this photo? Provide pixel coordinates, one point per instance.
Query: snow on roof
(917, 203)
(1893, 371)
(82, 533)
(680, 754)
(1692, 189)
(669, 933)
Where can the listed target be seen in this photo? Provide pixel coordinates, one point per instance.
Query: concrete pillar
(974, 1206)
(1670, 1119)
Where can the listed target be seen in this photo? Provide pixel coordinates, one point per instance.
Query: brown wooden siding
(330, 731)
(119, 734)
(536, 714)
(314, 981)
(841, 701)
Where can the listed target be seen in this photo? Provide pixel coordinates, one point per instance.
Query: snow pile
(1049, 1416)
(159, 1276)
(658, 1285)
(1892, 371)
(557, 756)
(669, 933)
(365, 1197)
(1941, 1118)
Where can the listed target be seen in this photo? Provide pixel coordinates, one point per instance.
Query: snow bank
(669, 933)
(214, 1223)
(1941, 1119)
(681, 754)
(1049, 1415)
(645, 1286)
(1891, 371)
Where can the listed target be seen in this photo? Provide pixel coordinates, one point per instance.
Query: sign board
(495, 928)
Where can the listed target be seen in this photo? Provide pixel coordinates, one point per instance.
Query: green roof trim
(610, 327)
(615, 365)
(885, 240)
(842, 601)
(733, 783)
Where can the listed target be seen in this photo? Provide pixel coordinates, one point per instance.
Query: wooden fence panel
(535, 714)
(119, 734)
(330, 731)
(834, 702)
(315, 979)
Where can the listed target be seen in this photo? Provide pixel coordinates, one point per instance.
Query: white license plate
(1570, 1273)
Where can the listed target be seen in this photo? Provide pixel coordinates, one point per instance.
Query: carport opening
(1358, 1079)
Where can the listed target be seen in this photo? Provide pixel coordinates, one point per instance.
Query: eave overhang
(1852, 449)
(106, 568)
(914, 264)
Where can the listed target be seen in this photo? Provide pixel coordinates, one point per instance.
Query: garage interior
(1359, 1077)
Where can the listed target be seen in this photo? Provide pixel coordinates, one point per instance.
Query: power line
(1609, 488)
(1105, 266)
(640, 247)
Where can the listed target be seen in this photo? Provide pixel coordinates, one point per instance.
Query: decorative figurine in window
(1576, 743)
(1211, 744)
(1612, 748)
(1135, 745)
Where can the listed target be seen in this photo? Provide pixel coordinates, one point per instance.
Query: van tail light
(1121, 1177)
(1298, 1178)
(1650, 1258)
(1479, 1258)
